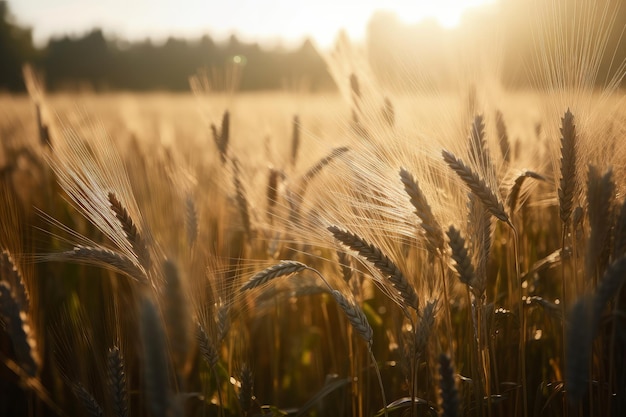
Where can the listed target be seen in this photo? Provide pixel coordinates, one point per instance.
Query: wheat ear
(116, 380)
(222, 136)
(104, 258)
(207, 348)
(463, 263)
(10, 273)
(503, 137)
(295, 140)
(87, 400)
(477, 185)
(600, 195)
(191, 220)
(515, 190)
(140, 248)
(355, 316)
(274, 271)
(19, 329)
(380, 261)
(242, 200)
(430, 225)
(478, 150)
(567, 184)
(317, 168)
(447, 388)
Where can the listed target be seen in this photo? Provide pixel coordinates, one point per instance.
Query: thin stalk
(219, 391)
(563, 302)
(448, 314)
(380, 380)
(414, 373)
(522, 331)
(482, 361)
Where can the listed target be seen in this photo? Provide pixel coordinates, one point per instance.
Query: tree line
(425, 53)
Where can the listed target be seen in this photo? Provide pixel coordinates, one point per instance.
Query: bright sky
(259, 20)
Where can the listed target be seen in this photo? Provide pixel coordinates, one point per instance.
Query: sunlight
(447, 12)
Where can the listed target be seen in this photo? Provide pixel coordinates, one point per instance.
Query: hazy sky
(263, 21)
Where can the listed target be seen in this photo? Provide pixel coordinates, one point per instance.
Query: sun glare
(447, 12)
(324, 18)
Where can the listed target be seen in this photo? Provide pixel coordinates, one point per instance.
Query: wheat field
(365, 253)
